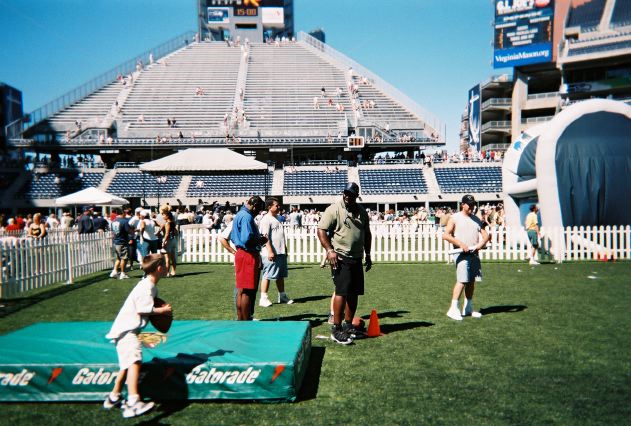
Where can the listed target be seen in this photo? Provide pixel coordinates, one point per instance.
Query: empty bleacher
(314, 182)
(281, 84)
(386, 110)
(604, 47)
(89, 111)
(238, 184)
(138, 184)
(169, 91)
(469, 179)
(621, 15)
(392, 181)
(57, 184)
(587, 16)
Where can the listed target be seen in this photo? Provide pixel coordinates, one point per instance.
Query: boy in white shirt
(131, 319)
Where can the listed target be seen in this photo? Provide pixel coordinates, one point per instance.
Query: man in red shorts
(247, 260)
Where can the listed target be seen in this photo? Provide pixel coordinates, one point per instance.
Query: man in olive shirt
(344, 232)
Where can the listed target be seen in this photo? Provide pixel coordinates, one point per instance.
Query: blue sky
(432, 50)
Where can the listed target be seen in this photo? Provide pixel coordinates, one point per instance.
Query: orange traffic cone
(373, 325)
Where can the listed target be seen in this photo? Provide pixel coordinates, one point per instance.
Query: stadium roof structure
(203, 160)
(302, 93)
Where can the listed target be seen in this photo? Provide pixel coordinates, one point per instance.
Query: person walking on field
(344, 232)
(273, 254)
(247, 261)
(467, 233)
(532, 229)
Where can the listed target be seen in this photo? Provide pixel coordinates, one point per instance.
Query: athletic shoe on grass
(265, 302)
(283, 298)
(113, 274)
(109, 403)
(471, 313)
(454, 314)
(123, 276)
(340, 336)
(137, 409)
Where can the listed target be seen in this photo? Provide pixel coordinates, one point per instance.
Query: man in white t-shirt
(466, 232)
(295, 218)
(273, 254)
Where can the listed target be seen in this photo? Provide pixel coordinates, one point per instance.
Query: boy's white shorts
(129, 350)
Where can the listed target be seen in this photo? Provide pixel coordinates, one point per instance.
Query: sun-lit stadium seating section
(138, 184)
(392, 181)
(386, 110)
(281, 84)
(606, 47)
(621, 15)
(164, 92)
(587, 15)
(314, 182)
(89, 110)
(235, 184)
(57, 184)
(469, 179)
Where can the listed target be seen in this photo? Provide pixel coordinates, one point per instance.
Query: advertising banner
(273, 16)
(218, 15)
(196, 360)
(475, 117)
(523, 32)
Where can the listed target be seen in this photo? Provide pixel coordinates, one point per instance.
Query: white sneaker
(454, 314)
(283, 298)
(471, 313)
(123, 276)
(265, 302)
(109, 403)
(113, 274)
(533, 262)
(136, 409)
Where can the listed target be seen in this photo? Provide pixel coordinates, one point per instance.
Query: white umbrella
(91, 196)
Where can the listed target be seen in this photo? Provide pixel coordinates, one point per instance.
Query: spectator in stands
(246, 238)
(316, 102)
(273, 254)
(85, 224)
(122, 236)
(467, 233)
(344, 233)
(110, 140)
(37, 229)
(323, 92)
(532, 229)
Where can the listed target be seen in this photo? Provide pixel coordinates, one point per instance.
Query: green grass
(553, 347)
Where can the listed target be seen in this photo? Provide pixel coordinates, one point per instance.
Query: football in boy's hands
(161, 322)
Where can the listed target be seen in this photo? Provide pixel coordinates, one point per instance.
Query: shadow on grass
(11, 306)
(314, 319)
(311, 381)
(311, 298)
(502, 309)
(190, 274)
(390, 314)
(391, 328)
(295, 268)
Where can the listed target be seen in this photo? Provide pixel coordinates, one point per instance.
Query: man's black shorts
(348, 277)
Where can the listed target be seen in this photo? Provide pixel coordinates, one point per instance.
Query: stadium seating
(57, 184)
(392, 181)
(621, 15)
(89, 110)
(587, 15)
(314, 182)
(469, 179)
(281, 84)
(137, 184)
(386, 110)
(169, 92)
(236, 184)
(606, 47)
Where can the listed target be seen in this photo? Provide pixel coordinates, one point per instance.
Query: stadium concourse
(311, 117)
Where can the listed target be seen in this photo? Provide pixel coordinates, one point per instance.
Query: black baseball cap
(468, 199)
(352, 189)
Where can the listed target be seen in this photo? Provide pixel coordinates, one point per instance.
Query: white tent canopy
(90, 196)
(203, 159)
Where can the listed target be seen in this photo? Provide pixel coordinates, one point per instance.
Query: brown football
(161, 322)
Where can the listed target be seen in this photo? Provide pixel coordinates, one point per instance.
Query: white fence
(63, 256)
(60, 257)
(424, 243)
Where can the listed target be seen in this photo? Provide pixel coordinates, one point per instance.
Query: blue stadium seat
(469, 179)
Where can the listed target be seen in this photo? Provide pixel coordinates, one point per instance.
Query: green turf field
(553, 347)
